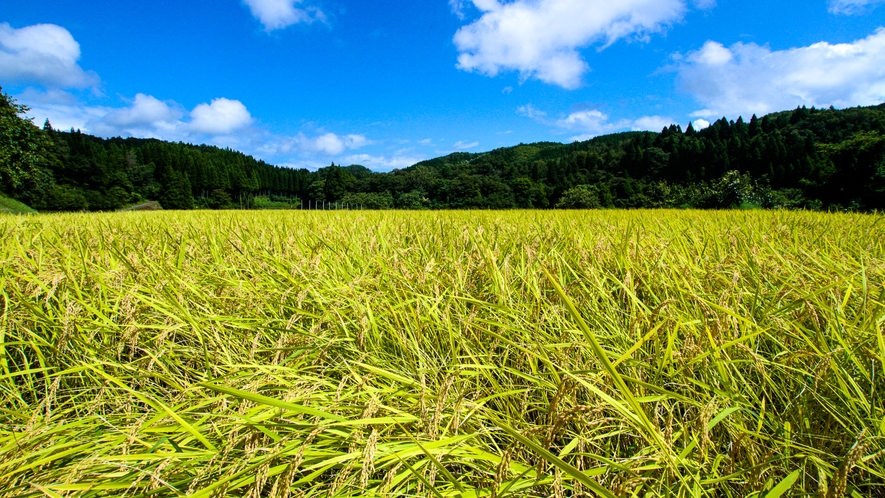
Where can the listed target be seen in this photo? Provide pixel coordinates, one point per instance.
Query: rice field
(445, 354)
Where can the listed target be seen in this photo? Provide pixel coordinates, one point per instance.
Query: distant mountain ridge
(804, 158)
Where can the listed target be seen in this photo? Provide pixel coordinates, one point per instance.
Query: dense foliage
(807, 158)
(474, 354)
(26, 157)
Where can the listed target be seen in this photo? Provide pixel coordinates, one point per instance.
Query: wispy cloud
(384, 162)
(748, 78)
(457, 8)
(704, 4)
(326, 144)
(592, 123)
(278, 14)
(529, 111)
(852, 7)
(464, 145)
(589, 123)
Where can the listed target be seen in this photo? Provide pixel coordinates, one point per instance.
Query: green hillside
(12, 206)
(818, 159)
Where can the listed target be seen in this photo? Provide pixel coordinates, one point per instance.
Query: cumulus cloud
(332, 144)
(852, 7)
(748, 78)
(43, 54)
(592, 123)
(589, 123)
(464, 145)
(542, 38)
(384, 162)
(700, 124)
(278, 14)
(650, 123)
(146, 109)
(222, 122)
(144, 117)
(326, 144)
(220, 117)
(147, 116)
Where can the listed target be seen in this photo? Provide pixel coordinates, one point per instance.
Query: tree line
(822, 159)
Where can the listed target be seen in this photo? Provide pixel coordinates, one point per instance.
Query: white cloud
(144, 110)
(32, 96)
(43, 54)
(700, 124)
(650, 123)
(589, 123)
(529, 111)
(464, 145)
(332, 144)
(221, 117)
(383, 163)
(222, 122)
(144, 117)
(61, 108)
(747, 78)
(278, 14)
(457, 8)
(704, 4)
(428, 142)
(327, 144)
(594, 123)
(852, 7)
(542, 38)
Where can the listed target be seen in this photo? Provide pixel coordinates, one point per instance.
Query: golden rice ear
(506, 354)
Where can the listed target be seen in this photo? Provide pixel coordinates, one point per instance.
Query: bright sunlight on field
(284, 354)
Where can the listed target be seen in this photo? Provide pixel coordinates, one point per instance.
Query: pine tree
(755, 128)
(176, 193)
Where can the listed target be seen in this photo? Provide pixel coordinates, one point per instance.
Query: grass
(265, 202)
(12, 206)
(284, 354)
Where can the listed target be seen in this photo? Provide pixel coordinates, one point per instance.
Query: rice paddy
(444, 354)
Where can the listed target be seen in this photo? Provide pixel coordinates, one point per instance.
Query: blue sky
(388, 83)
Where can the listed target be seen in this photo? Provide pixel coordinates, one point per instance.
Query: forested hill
(113, 172)
(806, 158)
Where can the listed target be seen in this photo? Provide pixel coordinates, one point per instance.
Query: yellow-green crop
(284, 354)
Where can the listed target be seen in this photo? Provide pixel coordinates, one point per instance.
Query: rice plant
(448, 354)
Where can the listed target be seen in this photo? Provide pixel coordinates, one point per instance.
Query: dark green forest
(820, 159)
